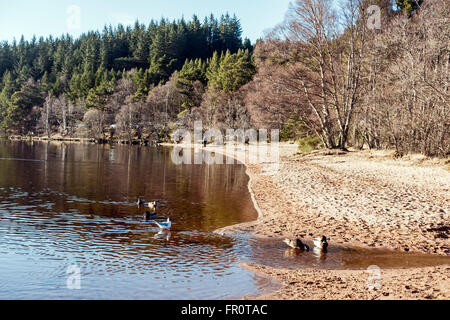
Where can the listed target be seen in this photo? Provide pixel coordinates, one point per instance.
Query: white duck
(321, 243)
(164, 225)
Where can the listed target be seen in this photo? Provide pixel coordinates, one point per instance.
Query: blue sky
(54, 17)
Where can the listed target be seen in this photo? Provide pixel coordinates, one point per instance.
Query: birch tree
(324, 63)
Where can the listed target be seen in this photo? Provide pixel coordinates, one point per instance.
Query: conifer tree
(8, 88)
(233, 71)
(19, 115)
(408, 5)
(86, 69)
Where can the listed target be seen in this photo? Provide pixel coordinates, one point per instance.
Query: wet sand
(430, 283)
(365, 199)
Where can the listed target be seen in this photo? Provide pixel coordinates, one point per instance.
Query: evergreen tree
(45, 83)
(193, 71)
(214, 43)
(408, 5)
(230, 33)
(213, 67)
(86, 82)
(197, 45)
(6, 58)
(19, 115)
(59, 58)
(8, 88)
(86, 68)
(98, 94)
(248, 45)
(23, 75)
(233, 72)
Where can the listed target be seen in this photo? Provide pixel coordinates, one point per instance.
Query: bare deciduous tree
(324, 61)
(407, 94)
(129, 121)
(95, 120)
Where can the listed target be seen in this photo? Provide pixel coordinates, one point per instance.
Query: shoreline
(283, 212)
(405, 283)
(56, 138)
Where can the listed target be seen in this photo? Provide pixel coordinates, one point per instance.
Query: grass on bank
(309, 143)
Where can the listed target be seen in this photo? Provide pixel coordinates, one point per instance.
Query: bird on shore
(296, 244)
(149, 215)
(321, 243)
(164, 225)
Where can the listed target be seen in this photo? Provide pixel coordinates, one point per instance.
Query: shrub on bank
(309, 143)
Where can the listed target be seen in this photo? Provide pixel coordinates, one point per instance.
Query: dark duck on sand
(321, 243)
(296, 244)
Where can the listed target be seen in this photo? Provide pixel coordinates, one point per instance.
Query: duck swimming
(150, 215)
(321, 243)
(141, 203)
(151, 205)
(296, 244)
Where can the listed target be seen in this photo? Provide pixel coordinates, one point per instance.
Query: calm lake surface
(64, 205)
(75, 204)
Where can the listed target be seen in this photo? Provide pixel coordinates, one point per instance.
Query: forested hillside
(49, 84)
(324, 77)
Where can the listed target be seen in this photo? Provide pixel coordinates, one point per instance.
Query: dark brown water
(64, 204)
(75, 204)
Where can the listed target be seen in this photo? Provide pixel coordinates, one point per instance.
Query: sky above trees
(54, 17)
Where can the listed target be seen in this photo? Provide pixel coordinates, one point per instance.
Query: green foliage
(8, 88)
(45, 84)
(18, 115)
(57, 89)
(231, 71)
(161, 68)
(6, 58)
(193, 71)
(309, 143)
(160, 48)
(182, 114)
(143, 80)
(87, 68)
(408, 5)
(292, 129)
(104, 86)
(213, 67)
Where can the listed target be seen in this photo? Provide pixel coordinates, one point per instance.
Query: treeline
(324, 78)
(88, 71)
(335, 79)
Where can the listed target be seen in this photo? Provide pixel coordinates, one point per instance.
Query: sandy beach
(365, 199)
